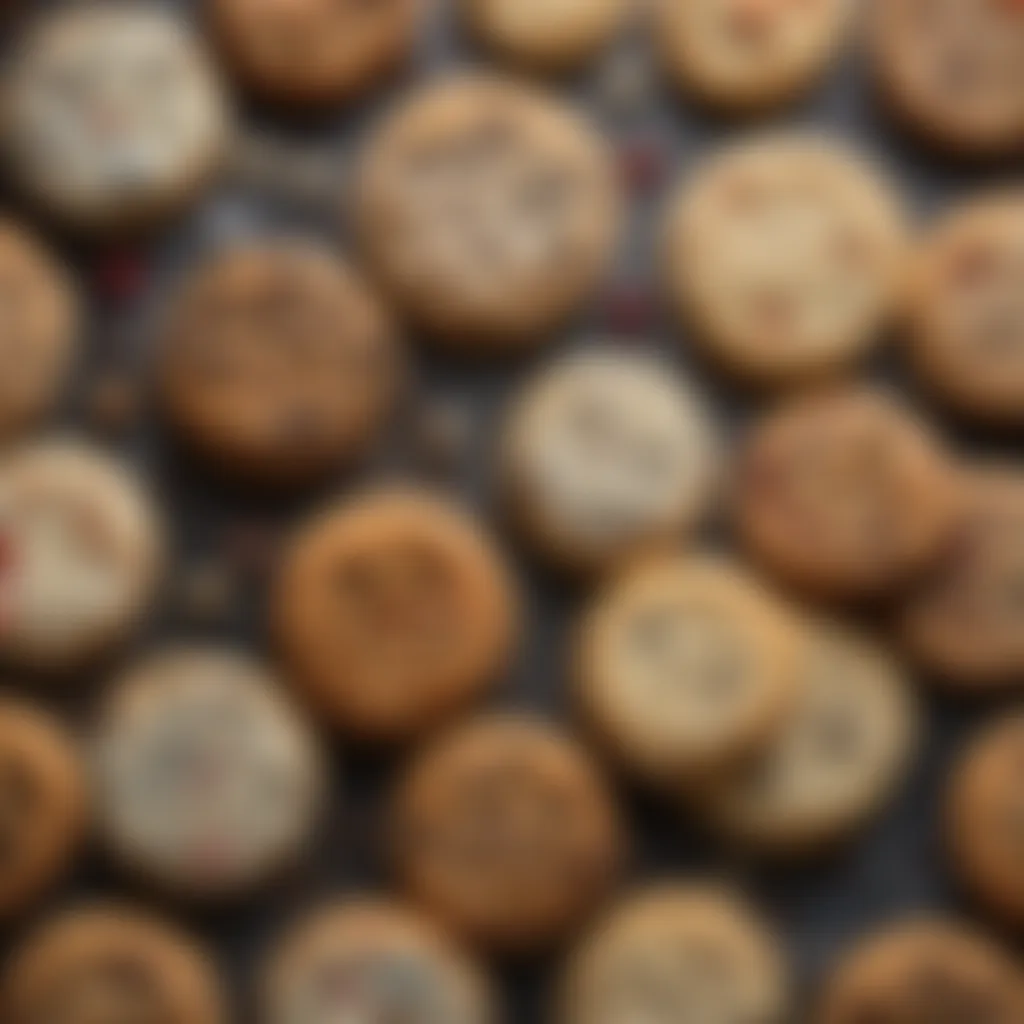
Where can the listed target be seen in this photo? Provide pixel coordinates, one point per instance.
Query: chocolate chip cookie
(846, 493)
(392, 612)
(487, 210)
(684, 665)
(279, 363)
(787, 255)
(505, 831)
(604, 454)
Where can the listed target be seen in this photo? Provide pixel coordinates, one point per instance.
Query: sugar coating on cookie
(82, 551)
(786, 254)
(606, 453)
(278, 361)
(487, 210)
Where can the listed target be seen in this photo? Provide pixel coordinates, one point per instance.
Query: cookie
(684, 665)
(101, 964)
(677, 953)
(986, 817)
(953, 70)
(114, 117)
(488, 211)
(922, 972)
(550, 35)
(279, 363)
(786, 254)
(838, 758)
(38, 331)
(845, 493)
(315, 52)
(747, 55)
(207, 780)
(372, 961)
(42, 804)
(504, 830)
(392, 612)
(604, 454)
(964, 621)
(965, 313)
(80, 555)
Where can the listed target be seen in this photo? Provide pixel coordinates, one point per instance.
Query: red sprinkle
(120, 276)
(629, 309)
(644, 164)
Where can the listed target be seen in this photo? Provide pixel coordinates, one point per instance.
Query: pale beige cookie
(787, 255)
(605, 454)
(747, 55)
(80, 555)
(487, 210)
(685, 665)
(674, 954)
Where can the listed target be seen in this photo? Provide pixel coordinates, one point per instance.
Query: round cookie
(42, 804)
(114, 117)
(313, 52)
(745, 55)
(845, 493)
(604, 454)
(676, 954)
(487, 210)
(921, 972)
(80, 555)
(505, 831)
(684, 665)
(965, 315)
(278, 362)
(986, 817)
(838, 758)
(207, 780)
(37, 330)
(374, 962)
(964, 621)
(546, 34)
(102, 964)
(787, 255)
(392, 612)
(953, 69)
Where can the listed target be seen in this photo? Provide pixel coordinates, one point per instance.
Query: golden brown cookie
(487, 211)
(393, 611)
(375, 962)
(278, 362)
(845, 493)
(504, 830)
(684, 665)
(42, 803)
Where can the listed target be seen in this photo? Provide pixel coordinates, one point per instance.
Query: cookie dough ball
(846, 494)
(546, 34)
(101, 964)
(80, 555)
(685, 665)
(279, 363)
(393, 611)
(924, 971)
(504, 831)
(207, 780)
(838, 758)
(42, 803)
(787, 255)
(985, 816)
(745, 55)
(372, 962)
(953, 70)
(37, 330)
(677, 954)
(488, 211)
(604, 454)
(965, 316)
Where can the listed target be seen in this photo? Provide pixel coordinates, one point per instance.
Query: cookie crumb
(252, 548)
(113, 403)
(120, 276)
(442, 434)
(207, 592)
